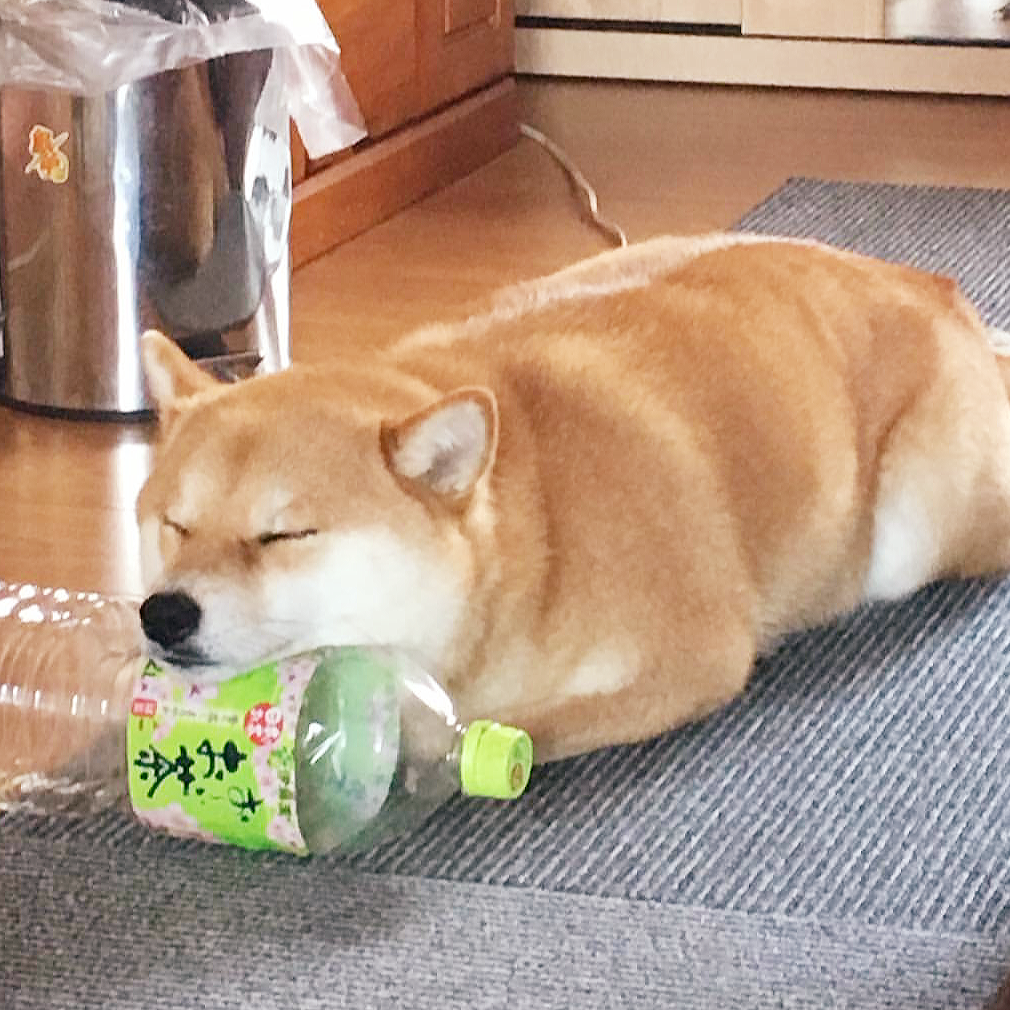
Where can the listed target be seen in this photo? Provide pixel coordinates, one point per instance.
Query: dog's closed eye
(175, 527)
(265, 539)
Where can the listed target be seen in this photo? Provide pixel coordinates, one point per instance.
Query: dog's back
(645, 468)
(709, 450)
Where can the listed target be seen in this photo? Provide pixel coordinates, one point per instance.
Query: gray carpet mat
(147, 928)
(837, 837)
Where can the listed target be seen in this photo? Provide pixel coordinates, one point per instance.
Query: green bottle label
(217, 761)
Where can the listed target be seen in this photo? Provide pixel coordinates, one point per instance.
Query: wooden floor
(664, 158)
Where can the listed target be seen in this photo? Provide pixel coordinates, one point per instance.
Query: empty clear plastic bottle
(334, 748)
(68, 665)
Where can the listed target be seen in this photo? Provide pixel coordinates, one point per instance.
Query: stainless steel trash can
(164, 204)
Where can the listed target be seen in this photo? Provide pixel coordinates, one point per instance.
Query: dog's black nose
(170, 618)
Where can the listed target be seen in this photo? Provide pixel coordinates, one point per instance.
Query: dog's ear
(172, 377)
(445, 450)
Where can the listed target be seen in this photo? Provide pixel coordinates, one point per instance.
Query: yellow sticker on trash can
(48, 161)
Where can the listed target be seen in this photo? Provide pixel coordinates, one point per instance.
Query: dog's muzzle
(170, 620)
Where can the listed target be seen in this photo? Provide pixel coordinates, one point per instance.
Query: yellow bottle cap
(496, 760)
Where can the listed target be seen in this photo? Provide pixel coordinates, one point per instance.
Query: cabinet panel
(457, 60)
(379, 54)
(405, 58)
(461, 14)
(432, 80)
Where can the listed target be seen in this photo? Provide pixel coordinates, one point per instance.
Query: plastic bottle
(68, 665)
(335, 748)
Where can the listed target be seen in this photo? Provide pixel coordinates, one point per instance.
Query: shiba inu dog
(589, 506)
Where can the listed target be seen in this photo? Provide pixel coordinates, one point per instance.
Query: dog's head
(309, 508)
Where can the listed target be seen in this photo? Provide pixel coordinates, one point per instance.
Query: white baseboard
(806, 63)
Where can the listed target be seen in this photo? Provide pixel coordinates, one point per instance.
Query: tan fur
(691, 444)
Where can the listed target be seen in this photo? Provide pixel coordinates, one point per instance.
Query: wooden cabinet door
(379, 54)
(404, 58)
(462, 45)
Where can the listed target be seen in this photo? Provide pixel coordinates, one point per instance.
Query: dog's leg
(999, 341)
(943, 498)
(675, 690)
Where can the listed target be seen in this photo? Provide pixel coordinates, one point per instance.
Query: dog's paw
(999, 340)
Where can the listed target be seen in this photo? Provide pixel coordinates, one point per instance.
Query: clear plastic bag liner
(90, 47)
